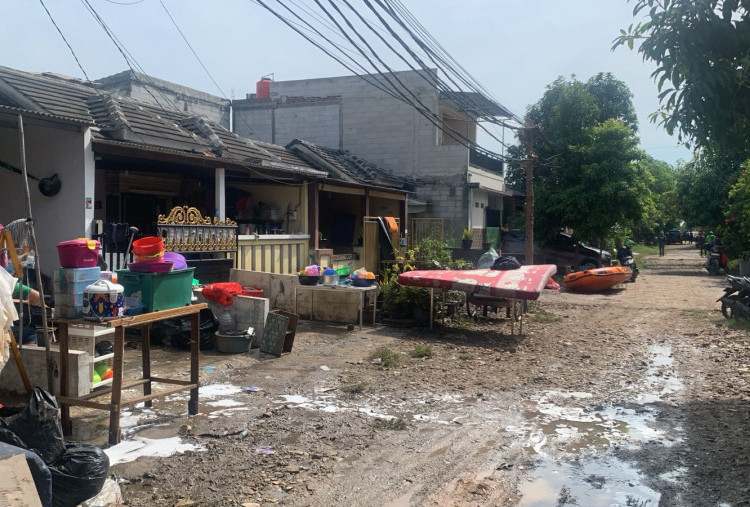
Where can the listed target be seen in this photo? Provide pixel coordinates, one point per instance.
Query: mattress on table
(526, 282)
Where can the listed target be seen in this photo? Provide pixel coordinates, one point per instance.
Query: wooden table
(341, 289)
(117, 386)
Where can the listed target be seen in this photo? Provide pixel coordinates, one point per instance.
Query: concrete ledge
(36, 367)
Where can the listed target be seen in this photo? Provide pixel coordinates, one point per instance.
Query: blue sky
(514, 48)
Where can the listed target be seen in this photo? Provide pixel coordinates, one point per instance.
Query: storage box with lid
(69, 284)
(159, 291)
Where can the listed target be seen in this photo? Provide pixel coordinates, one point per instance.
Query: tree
(702, 52)
(702, 186)
(586, 177)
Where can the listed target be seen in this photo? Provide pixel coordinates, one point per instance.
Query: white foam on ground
(131, 450)
(218, 390)
(225, 403)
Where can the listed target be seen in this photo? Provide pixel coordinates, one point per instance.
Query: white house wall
(63, 216)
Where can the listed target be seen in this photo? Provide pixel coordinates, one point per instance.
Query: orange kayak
(593, 280)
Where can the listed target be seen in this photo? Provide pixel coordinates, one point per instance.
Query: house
(121, 160)
(463, 185)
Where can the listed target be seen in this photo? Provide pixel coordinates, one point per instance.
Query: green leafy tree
(587, 177)
(702, 186)
(702, 52)
(736, 231)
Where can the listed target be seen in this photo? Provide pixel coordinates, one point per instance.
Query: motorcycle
(735, 303)
(716, 260)
(625, 256)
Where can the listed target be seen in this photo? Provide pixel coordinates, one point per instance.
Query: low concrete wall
(279, 289)
(79, 382)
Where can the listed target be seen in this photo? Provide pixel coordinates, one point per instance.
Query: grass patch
(385, 357)
(542, 315)
(736, 324)
(698, 315)
(420, 350)
(464, 356)
(397, 424)
(356, 388)
(642, 250)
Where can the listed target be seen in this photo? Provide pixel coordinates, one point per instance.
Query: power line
(65, 40)
(193, 51)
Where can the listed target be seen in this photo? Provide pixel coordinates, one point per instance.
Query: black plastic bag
(78, 474)
(506, 263)
(38, 426)
(176, 332)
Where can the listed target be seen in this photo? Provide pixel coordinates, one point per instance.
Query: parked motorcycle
(716, 260)
(625, 256)
(735, 303)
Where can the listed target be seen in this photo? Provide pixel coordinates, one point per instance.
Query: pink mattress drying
(526, 282)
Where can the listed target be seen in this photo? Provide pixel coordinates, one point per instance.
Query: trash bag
(176, 332)
(506, 263)
(109, 495)
(103, 348)
(38, 426)
(487, 259)
(78, 474)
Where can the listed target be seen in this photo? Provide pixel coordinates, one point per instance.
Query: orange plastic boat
(593, 280)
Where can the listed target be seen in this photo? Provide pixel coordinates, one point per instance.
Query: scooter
(716, 260)
(735, 303)
(625, 256)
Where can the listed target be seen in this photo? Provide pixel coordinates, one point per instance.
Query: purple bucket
(177, 260)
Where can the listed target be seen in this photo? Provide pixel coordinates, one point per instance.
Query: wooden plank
(19, 363)
(274, 334)
(172, 381)
(85, 403)
(195, 343)
(139, 320)
(165, 392)
(17, 488)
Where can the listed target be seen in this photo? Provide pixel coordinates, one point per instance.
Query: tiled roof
(53, 95)
(133, 123)
(346, 165)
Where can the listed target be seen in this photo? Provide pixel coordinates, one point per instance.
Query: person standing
(661, 240)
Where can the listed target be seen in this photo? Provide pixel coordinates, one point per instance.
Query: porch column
(220, 196)
(365, 204)
(313, 213)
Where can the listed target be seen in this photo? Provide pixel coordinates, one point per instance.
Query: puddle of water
(660, 381)
(589, 482)
(130, 450)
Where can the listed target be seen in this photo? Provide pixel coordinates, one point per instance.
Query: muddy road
(637, 397)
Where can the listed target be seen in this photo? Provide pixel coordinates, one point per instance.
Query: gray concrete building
(167, 95)
(462, 185)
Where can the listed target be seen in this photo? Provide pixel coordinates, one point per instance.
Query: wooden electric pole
(529, 170)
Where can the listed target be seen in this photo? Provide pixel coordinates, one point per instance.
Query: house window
(476, 204)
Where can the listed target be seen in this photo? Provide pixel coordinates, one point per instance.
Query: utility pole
(529, 170)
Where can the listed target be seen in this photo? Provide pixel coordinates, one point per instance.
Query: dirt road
(639, 397)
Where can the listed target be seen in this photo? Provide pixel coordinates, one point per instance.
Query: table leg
(195, 346)
(312, 294)
(117, 367)
(442, 313)
(374, 306)
(146, 359)
(432, 296)
(361, 307)
(296, 301)
(64, 408)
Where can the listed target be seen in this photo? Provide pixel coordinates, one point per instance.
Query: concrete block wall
(448, 202)
(254, 123)
(329, 306)
(35, 361)
(373, 124)
(317, 123)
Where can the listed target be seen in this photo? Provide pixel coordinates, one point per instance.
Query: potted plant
(467, 238)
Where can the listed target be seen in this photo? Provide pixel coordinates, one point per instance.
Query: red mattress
(526, 282)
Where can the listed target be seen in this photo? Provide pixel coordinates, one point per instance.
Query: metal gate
(422, 228)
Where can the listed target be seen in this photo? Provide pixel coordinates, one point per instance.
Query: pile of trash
(64, 473)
